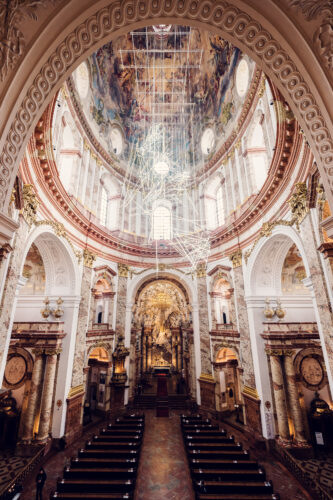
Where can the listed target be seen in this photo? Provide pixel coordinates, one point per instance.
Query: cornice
(289, 144)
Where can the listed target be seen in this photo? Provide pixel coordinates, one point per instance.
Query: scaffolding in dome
(161, 163)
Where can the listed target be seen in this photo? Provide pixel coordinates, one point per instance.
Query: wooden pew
(220, 468)
(235, 487)
(238, 496)
(218, 454)
(104, 462)
(90, 496)
(99, 473)
(203, 446)
(206, 463)
(107, 466)
(222, 474)
(94, 485)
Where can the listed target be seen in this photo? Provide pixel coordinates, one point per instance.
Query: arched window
(104, 207)
(219, 207)
(67, 156)
(161, 223)
(109, 202)
(258, 154)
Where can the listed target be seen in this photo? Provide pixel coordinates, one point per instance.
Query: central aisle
(163, 471)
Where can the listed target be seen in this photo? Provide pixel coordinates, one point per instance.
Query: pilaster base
(73, 429)
(117, 400)
(252, 411)
(207, 394)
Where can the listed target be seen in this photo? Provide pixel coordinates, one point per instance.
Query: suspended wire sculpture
(161, 170)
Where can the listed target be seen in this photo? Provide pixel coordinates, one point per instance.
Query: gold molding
(207, 377)
(75, 391)
(250, 391)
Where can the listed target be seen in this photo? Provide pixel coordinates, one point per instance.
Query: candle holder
(58, 312)
(268, 311)
(46, 311)
(280, 313)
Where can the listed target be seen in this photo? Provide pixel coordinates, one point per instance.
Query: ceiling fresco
(175, 78)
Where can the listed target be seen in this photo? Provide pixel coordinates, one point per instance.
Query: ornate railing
(23, 474)
(311, 485)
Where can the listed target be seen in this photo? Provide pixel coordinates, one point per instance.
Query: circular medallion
(15, 370)
(312, 371)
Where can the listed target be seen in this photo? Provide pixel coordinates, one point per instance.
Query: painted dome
(182, 86)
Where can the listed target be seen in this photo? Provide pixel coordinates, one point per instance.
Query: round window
(82, 80)
(242, 78)
(116, 141)
(207, 141)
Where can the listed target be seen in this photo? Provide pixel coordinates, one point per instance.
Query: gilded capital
(236, 258)
(53, 351)
(201, 270)
(88, 258)
(123, 270)
(274, 352)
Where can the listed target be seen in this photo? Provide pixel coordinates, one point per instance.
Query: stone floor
(10, 466)
(163, 471)
(321, 470)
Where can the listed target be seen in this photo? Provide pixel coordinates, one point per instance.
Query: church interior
(166, 249)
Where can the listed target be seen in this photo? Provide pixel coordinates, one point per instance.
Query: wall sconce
(58, 312)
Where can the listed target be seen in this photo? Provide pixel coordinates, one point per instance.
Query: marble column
(243, 322)
(92, 313)
(9, 290)
(123, 271)
(294, 403)
(36, 381)
(206, 365)
(47, 397)
(279, 396)
(320, 295)
(213, 310)
(82, 323)
(110, 296)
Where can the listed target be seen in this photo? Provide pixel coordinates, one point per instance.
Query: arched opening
(227, 392)
(41, 336)
(281, 302)
(161, 316)
(98, 384)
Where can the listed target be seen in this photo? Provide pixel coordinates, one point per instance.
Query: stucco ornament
(11, 38)
(31, 203)
(323, 37)
(298, 203)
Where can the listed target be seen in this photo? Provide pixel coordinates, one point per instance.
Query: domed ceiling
(179, 89)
